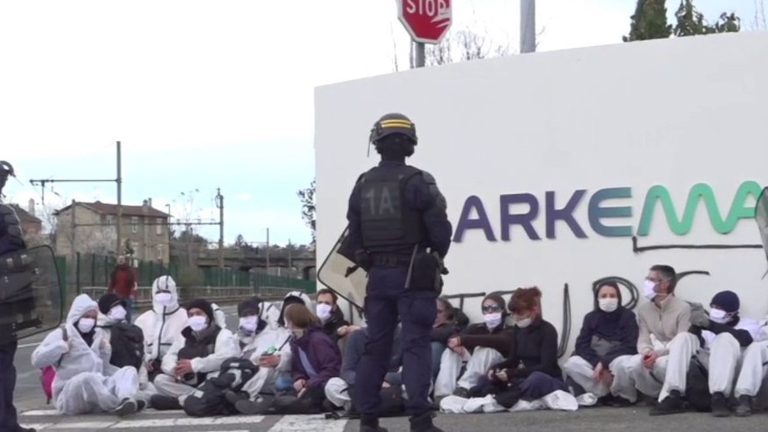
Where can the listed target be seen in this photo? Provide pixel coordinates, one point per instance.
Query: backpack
(127, 342)
(49, 372)
(209, 399)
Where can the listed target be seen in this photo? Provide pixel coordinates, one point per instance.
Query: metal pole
(119, 199)
(418, 54)
(267, 250)
(527, 26)
(220, 205)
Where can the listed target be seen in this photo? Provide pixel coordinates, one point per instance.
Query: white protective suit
(81, 385)
(162, 325)
(255, 346)
(226, 346)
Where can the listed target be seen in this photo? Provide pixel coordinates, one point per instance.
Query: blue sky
(207, 94)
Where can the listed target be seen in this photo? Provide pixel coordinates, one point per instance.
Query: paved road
(35, 413)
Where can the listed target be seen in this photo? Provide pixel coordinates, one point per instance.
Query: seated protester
(80, 353)
(219, 316)
(754, 369)
(607, 340)
(266, 347)
(330, 314)
(284, 383)
(715, 339)
(126, 339)
(198, 355)
(269, 313)
(444, 327)
(660, 319)
(315, 360)
(530, 371)
(161, 326)
(340, 390)
(480, 346)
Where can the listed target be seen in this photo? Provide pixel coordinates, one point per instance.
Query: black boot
(370, 424)
(163, 403)
(672, 404)
(423, 423)
(745, 406)
(261, 405)
(720, 405)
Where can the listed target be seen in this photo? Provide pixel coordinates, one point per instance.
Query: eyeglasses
(491, 308)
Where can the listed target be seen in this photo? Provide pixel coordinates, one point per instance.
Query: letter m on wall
(700, 192)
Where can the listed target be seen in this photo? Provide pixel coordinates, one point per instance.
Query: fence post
(77, 273)
(93, 270)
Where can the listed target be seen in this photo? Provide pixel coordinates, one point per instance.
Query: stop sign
(427, 21)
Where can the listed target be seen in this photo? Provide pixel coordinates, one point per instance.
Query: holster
(426, 273)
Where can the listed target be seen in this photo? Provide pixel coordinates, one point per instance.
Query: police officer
(399, 232)
(10, 241)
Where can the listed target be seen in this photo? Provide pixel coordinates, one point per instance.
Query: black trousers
(8, 420)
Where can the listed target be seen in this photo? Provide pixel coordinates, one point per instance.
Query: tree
(307, 198)
(760, 22)
(463, 45)
(650, 21)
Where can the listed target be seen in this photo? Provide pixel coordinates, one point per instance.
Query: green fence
(269, 281)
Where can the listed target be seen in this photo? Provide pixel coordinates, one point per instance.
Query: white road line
(28, 345)
(38, 426)
(82, 425)
(299, 423)
(40, 413)
(206, 421)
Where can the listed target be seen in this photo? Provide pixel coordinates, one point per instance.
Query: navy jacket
(619, 328)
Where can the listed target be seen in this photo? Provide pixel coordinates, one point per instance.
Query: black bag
(697, 390)
(209, 399)
(127, 342)
(392, 404)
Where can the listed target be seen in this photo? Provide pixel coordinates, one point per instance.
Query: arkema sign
(551, 162)
(555, 210)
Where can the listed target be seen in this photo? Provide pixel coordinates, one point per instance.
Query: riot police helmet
(6, 169)
(391, 124)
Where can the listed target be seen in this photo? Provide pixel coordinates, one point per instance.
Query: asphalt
(34, 412)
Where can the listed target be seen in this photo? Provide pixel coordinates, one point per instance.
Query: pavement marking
(82, 425)
(40, 413)
(38, 426)
(189, 421)
(29, 345)
(298, 423)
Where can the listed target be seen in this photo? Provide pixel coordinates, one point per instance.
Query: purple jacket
(323, 355)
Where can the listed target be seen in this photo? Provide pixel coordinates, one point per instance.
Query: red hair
(524, 299)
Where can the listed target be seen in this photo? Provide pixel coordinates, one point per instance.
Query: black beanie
(203, 305)
(248, 307)
(108, 301)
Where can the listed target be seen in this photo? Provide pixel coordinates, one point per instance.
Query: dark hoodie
(607, 335)
(478, 335)
(321, 352)
(335, 322)
(533, 349)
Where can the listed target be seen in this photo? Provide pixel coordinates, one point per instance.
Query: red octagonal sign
(427, 21)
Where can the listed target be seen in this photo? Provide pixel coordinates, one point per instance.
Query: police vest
(387, 222)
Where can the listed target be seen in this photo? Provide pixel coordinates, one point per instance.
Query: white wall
(673, 112)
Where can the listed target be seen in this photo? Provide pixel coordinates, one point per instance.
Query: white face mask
(323, 311)
(492, 320)
(163, 298)
(85, 325)
(117, 313)
(197, 323)
(608, 304)
(648, 289)
(719, 316)
(523, 323)
(249, 324)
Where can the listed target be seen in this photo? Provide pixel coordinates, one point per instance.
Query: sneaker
(588, 399)
(127, 406)
(616, 401)
(262, 405)
(140, 405)
(164, 403)
(233, 397)
(672, 404)
(461, 392)
(720, 405)
(744, 409)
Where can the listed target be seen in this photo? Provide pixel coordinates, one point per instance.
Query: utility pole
(119, 199)
(527, 26)
(73, 223)
(220, 205)
(267, 250)
(419, 54)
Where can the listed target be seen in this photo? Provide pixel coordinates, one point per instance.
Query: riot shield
(761, 216)
(31, 296)
(341, 276)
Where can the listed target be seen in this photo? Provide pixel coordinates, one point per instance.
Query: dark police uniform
(10, 241)
(395, 213)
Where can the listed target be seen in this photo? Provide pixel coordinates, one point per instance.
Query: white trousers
(92, 392)
(647, 381)
(724, 354)
(753, 369)
(477, 366)
(581, 371)
(166, 385)
(265, 377)
(336, 392)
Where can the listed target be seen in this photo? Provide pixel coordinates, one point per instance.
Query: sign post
(427, 21)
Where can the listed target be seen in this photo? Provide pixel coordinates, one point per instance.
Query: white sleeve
(172, 356)
(50, 350)
(226, 347)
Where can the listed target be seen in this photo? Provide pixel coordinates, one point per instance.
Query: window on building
(159, 226)
(134, 224)
(110, 220)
